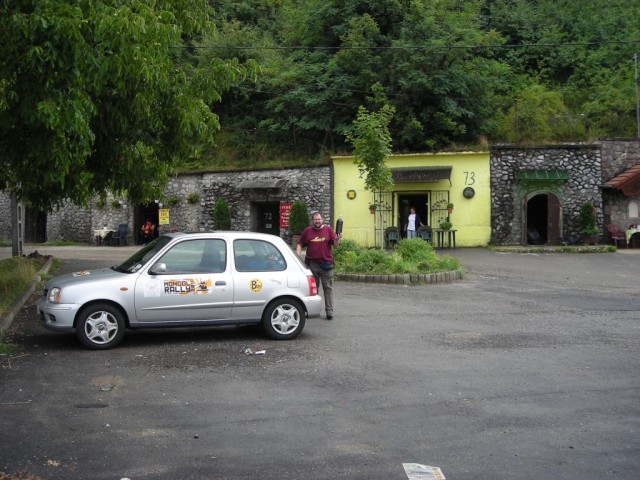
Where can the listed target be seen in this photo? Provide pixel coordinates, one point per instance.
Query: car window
(257, 256)
(142, 256)
(196, 256)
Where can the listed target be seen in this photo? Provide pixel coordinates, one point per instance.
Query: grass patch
(56, 263)
(16, 274)
(413, 256)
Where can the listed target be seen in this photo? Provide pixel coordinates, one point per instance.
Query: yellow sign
(163, 216)
(255, 286)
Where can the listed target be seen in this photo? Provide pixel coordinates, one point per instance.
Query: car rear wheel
(100, 326)
(284, 319)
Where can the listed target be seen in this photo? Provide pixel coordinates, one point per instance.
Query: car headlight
(54, 295)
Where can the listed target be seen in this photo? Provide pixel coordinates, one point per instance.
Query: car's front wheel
(284, 319)
(100, 326)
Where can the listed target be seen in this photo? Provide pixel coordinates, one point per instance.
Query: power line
(415, 47)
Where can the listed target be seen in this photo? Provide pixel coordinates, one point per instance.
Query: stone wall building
(621, 182)
(536, 194)
(254, 198)
(537, 191)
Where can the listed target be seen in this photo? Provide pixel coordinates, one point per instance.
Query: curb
(404, 279)
(18, 303)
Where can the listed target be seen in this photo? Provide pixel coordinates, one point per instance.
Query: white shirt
(411, 222)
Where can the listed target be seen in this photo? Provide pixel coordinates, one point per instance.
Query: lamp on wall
(468, 192)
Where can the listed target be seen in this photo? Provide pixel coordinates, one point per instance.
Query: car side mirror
(158, 269)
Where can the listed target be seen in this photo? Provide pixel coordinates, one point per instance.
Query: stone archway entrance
(542, 217)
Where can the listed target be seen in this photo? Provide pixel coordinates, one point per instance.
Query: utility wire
(415, 47)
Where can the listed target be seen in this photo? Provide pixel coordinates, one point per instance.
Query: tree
(103, 96)
(371, 142)
(540, 115)
(221, 215)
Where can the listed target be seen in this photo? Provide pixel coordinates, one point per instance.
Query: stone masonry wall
(190, 200)
(618, 156)
(312, 185)
(583, 164)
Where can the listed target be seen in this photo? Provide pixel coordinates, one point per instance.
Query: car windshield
(136, 261)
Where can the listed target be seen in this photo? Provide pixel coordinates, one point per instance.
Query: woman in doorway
(413, 222)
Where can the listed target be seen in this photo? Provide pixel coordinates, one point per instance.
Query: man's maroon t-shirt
(318, 243)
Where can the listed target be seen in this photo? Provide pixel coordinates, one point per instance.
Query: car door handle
(220, 283)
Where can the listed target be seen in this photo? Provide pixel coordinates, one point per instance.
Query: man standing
(319, 240)
(413, 222)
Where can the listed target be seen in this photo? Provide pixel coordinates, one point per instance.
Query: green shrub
(347, 246)
(221, 215)
(587, 219)
(410, 256)
(415, 250)
(298, 217)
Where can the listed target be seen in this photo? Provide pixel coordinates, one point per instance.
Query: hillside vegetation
(459, 74)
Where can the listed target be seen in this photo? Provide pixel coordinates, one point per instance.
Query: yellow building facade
(427, 182)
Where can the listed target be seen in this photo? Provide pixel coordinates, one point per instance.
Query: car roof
(224, 233)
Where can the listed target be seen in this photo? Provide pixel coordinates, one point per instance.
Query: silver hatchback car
(186, 280)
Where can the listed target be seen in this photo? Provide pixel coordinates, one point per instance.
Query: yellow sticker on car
(255, 286)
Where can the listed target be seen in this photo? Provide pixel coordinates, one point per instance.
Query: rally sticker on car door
(188, 286)
(179, 286)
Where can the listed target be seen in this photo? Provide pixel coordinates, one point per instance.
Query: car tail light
(313, 288)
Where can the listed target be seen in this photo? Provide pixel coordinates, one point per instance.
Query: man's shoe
(329, 317)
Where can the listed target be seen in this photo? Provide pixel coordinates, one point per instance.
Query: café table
(439, 236)
(101, 234)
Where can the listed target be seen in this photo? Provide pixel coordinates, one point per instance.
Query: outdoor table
(100, 235)
(439, 237)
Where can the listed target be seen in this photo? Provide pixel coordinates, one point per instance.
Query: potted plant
(372, 208)
(446, 225)
(587, 221)
(298, 220)
(450, 208)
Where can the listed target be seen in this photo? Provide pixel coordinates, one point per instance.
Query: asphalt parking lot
(525, 369)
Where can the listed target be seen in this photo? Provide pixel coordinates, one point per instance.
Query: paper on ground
(415, 471)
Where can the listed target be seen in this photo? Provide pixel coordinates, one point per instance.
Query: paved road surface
(526, 369)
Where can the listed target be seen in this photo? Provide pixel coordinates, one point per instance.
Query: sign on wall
(285, 210)
(163, 216)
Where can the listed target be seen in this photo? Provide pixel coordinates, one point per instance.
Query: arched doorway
(542, 219)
